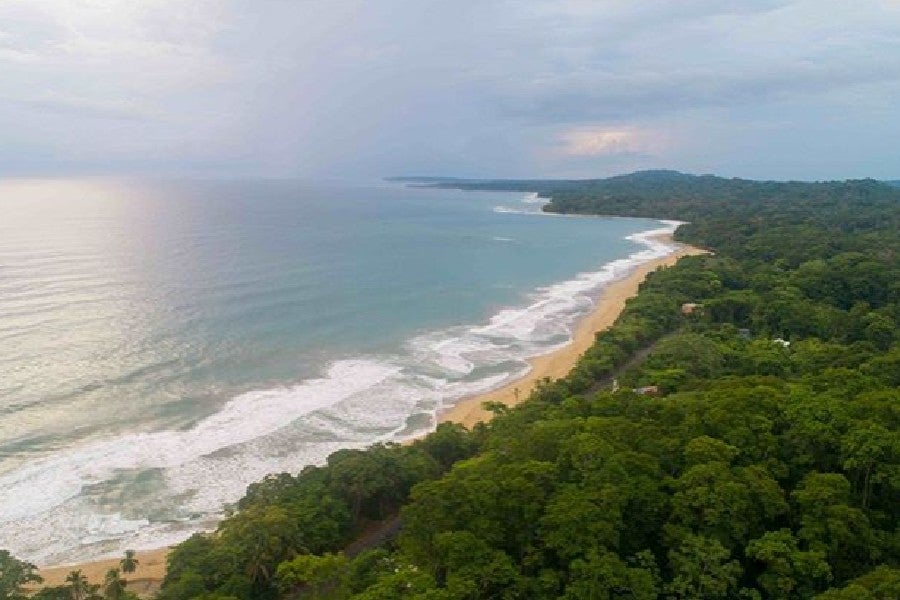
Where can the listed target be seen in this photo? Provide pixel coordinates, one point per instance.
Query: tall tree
(789, 572)
(114, 585)
(15, 575)
(129, 563)
(701, 569)
(78, 585)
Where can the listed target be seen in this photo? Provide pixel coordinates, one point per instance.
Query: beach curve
(467, 411)
(557, 363)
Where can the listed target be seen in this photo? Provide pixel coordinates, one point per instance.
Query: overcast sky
(526, 88)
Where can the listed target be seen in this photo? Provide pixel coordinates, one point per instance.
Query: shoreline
(468, 411)
(145, 581)
(557, 363)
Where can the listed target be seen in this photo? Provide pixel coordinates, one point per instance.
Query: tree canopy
(768, 466)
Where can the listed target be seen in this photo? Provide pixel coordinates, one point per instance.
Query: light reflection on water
(164, 343)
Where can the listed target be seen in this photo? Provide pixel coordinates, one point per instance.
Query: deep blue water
(164, 343)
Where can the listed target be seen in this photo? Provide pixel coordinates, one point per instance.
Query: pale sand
(468, 411)
(558, 363)
(144, 581)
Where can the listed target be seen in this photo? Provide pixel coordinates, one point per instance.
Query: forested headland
(754, 453)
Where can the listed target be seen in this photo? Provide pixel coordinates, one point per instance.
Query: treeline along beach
(733, 435)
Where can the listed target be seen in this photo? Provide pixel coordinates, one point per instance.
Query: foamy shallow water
(154, 486)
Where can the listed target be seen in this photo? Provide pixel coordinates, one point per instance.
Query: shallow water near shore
(165, 343)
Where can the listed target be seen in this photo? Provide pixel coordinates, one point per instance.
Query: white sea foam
(515, 211)
(65, 504)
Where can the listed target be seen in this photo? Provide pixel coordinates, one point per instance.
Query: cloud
(493, 88)
(599, 141)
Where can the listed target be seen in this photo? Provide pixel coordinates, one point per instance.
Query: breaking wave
(69, 503)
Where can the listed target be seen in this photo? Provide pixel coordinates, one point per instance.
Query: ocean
(165, 343)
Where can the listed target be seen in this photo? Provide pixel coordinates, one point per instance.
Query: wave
(516, 211)
(177, 482)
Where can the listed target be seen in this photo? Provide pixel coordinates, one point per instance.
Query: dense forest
(753, 453)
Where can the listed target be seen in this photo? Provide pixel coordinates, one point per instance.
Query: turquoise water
(165, 343)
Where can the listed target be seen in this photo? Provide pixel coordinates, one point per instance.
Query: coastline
(467, 411)
(556, 364)
(145, 581)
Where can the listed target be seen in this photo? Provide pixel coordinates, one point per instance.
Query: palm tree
(129, 564)
(114, 586)
(78, 585)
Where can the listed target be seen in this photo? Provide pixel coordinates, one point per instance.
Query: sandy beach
(468, 411)
(145, 581)
(558, 363)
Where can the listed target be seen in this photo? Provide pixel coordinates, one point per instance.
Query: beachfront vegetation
(77, 585)
(15, 575)
(129, 562)
(765, 464)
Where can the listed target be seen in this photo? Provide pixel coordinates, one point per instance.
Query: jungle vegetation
(765, 465)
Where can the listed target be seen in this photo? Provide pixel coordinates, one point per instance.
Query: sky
(766, 89)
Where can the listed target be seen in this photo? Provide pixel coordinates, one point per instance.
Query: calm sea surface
(163, 344)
